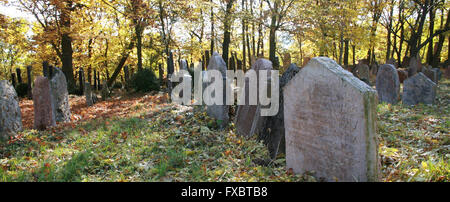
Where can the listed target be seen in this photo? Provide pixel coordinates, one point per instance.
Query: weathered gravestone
(43, 106)
(419, 89)
(91, 99)
(388, 84)
(362, 71)
(10, 115)
(219, 112)
(392, 61)
(60, 95)
(330, 121)
(431, 73)
(248, 119)
(273, 132)
(415, 65)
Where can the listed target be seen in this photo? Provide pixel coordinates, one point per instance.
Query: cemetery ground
(143, 138)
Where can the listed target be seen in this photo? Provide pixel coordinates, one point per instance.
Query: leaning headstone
(60, 96)
(10, 115)
(419, 89)
(219, 112)
(273, 132)
(43, 107)
(388, 84)
(330, 120)
(248, 119)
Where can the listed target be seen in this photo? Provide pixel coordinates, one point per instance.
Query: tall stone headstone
(388, 84)
(90, 100)
(419, 89)
(43, 107)
(415, 65)
(273, 132)
(330, 121)
(10, 115)
(219, 112)
(362, 72)
(248, 119)
(60, 96)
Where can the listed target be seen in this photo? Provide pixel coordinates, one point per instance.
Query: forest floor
(143, 138)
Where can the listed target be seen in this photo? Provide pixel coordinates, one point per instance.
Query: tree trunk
(122, 61)
(227, 33)
(67, 51)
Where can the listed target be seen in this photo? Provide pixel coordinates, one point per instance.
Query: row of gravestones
(50, 101)
(327, 117)
(326, 122)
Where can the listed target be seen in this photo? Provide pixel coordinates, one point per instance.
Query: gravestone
(273, 132)
(362, 72)
(248, 119)
(330, 120)
(90, 98)
(415, 65)
(43, 105)
(219, 112)
(60, 96)
(402, 75)
(392, 61)
(419, 89)
(10, 115)
(388, 84)
(439, 73)
(431, 73)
